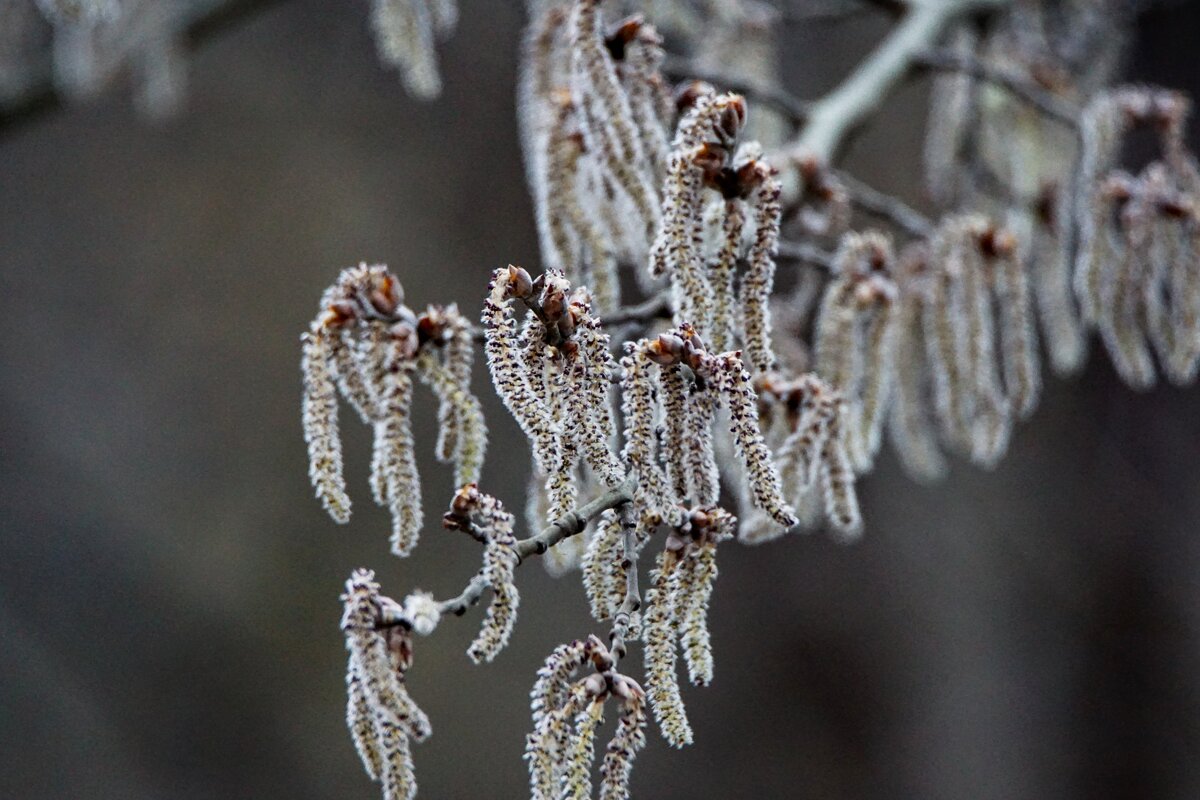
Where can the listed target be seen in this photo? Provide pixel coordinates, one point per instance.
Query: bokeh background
(168, 586)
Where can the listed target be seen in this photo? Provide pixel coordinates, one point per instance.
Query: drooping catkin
(319, 413)
(1050, 266)
(609, 128)
(971, 405)
(510, 375)
(545, 747)
(990, 427)
(603, 576)
(639, 389)
(590, 385)
(381, 715)
(1014, 306)
(397, 463)
(855, 337)
(565, 719)
(759, 280)
(487, 518)
(369, 345)
(742, 403)
(460, 419)
(723, 273)
(837, 483)
(700, 460)
(361, 722)
(673, 391)
(948, 125)
(676, 250)
(649, 98)
(695, 638)
(658, 637)
(577, 783)
(628, 739)
(910, 429)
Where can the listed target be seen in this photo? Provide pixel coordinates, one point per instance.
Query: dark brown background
(168, 612)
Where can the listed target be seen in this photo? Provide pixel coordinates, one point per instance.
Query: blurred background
(168, 585)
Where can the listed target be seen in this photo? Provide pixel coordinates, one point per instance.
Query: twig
(805, 253)
(566, 526)
(1044, 101)
(890, 207)
(792, 107)
(633, 597)
(832, 117)
(838, 13)
(574, 522)
(656, 307)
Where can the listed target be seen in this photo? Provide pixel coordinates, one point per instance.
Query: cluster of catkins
(94, 44)
(381, 715)
(1105, 250)
(595, 113)
(676, 614)
(566, 715)
(367, 345)
(1137, 272)
(484, 517)
(951, 358)
(406, 33)
(553, 374)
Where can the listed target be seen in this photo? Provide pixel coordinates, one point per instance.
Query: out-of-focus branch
(1046, 102)
(42, 97)
(836, 114)
(795, 109)
(887, 206)
(805, 253)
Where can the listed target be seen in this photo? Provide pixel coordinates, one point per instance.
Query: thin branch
(566, 526)
(805, 253)
(832, 117)
(795, 109)
(656, 307)
(633, 597)
(1048, 103)
(887, 206)
(840, 12)
(574, 522)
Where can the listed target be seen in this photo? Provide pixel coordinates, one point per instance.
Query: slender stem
(655, 308)
(790, 106)
(574, 522)
(633, 596)
(805, 253)
(888, 206)
(566, 526)
(1044, 101)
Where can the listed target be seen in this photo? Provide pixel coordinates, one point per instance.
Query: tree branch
(792, 107)
(805, 253)
(1054, 107)
(832, 117)
(887, 206)
(566, 526)
(633, 597)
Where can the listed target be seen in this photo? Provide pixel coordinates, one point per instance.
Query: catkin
(319, 414)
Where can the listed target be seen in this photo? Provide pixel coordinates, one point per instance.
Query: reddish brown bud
(665, 350)
(519, 282)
